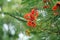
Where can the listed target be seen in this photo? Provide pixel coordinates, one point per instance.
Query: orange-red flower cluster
(31, 18)
(55, 7)
(58, 3)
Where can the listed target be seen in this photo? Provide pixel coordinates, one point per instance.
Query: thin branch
(16, 17)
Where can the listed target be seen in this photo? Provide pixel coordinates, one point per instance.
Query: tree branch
(16, 17)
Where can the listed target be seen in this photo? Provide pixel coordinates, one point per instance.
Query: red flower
(33, 11)
(27, 16)
(46, 6)
(31, 23)
(54, 8)
(36, 13)
(32, 17)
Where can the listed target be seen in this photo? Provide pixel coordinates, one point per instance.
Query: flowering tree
(37, 18)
